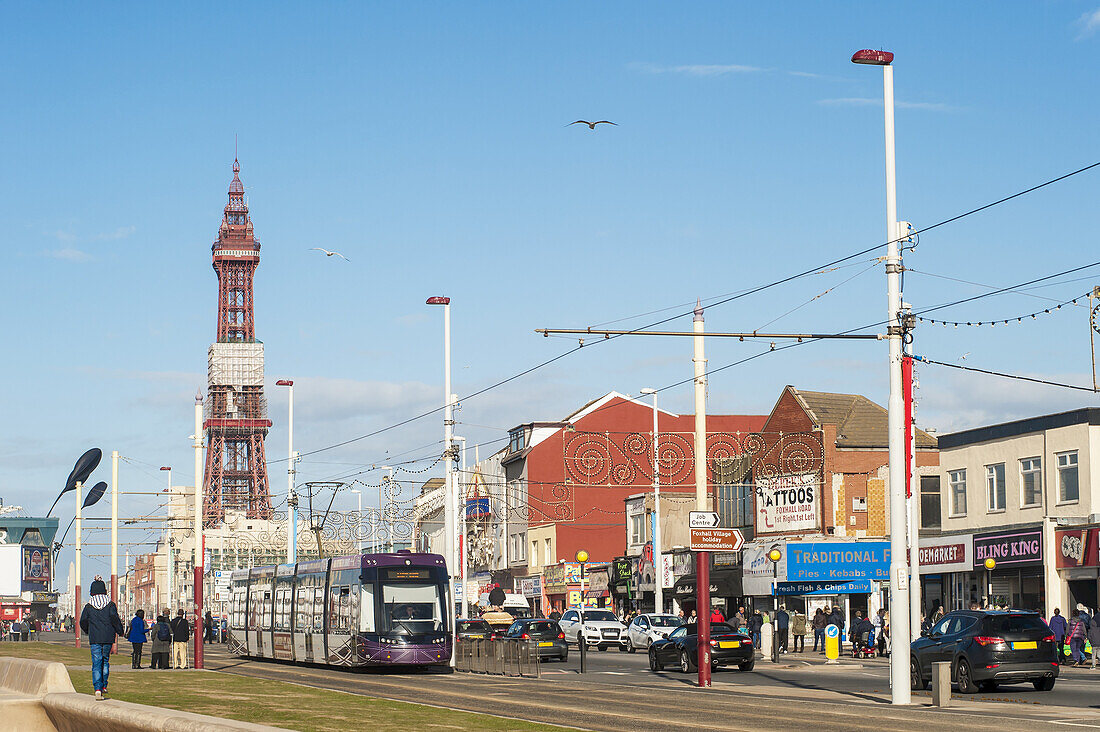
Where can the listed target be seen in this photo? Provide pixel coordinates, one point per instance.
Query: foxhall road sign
(703, 520)
(716, 540)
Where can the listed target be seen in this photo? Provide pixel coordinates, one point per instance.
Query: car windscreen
(665, 621)
(464, 625)
(541, 628)
(600, 615)
(412, 607)
(1010, 624)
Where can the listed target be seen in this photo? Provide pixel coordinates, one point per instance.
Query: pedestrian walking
(819, 623)
(181, 633)
(137, 638)
(782, 627)
(693, 618)
(1094, 639)
(716, 615)
(798, 630)
(100, 620)
(756, 622)
(162, 642)
(208, 628)
(937, 614)
(1077, 633)
(1060, 630)
(1083, 613)
(739, 620)
(880, 632)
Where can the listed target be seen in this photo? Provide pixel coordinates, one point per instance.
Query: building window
(535, 553)
(1031, 482)
(516, 441)
(518, 546)
(958, 492)
(637, 529)
(995, 486)
(1068, 488)
(930, 502)
(548, 555)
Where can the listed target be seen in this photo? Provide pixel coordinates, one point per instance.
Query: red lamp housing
(438, 300)
(872, 57)
(284, 382)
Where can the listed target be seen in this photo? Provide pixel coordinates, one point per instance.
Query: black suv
(987, 648)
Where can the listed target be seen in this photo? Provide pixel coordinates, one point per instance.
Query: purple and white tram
(361, 610)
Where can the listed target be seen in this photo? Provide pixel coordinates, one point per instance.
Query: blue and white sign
(854, 587)
(838, 561)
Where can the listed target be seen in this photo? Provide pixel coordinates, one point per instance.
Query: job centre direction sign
(838, 561)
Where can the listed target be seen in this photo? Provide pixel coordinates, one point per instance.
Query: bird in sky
(592, 125)
(330, 254)
(963, 357)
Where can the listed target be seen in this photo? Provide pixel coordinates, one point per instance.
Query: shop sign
(621, 572)
(838, 561)
(946, 554)
(1009, 548)
(572, 573)
(854, 587)
(530, 586)
(787, 503)
(553, 579)
(1076, 548)
(757, 572)
(36, 565)
(668, 573)
(596, 581)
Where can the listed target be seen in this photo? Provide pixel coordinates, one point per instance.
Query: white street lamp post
(358, 520)
(291, 499)
(462, 529)
(448, 482)
(658, 569)
(899, 571)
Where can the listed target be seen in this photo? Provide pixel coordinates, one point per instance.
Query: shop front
(726, 592)
(1016, 580)
(1077, 559)
(946, 572)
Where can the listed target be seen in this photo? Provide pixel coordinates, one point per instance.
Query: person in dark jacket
(181, 633)
(819, 622)
(162, 642)
(100, 620)
(782, 626)
(137, 638)
(1059, 628)
(756, 622)
(208, 628)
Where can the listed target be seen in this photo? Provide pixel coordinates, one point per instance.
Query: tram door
(309, 619)
(259, 605)
(341, 638)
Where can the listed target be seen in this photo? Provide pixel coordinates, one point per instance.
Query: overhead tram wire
(744, 293)
(1016, 377)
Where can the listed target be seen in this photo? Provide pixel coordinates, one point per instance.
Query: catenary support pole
(702, 559)
(912, 491)
(200, 547)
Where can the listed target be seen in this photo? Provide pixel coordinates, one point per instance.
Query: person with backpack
(137, 638)
(1077, 633)
(181, 633)
(1059, 628)
(162, 642)
(100, 620)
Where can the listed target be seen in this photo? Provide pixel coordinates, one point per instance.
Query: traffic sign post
(716, 540)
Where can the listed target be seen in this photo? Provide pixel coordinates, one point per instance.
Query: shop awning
(723, 583)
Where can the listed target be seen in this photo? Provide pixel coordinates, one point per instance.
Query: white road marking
(1077, 723)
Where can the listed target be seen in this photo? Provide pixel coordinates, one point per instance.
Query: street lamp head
(990, 563)
(647, 390)
(284, 382)
(582, 556)
(873, 58)
(438, 300)
(165, 467)
(775, 555)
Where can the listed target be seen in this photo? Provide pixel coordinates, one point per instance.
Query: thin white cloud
(120, 233)
(68, 254)
(875, 102)
(697, 69)
(1088, 24)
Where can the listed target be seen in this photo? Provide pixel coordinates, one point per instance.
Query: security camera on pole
(899, 570)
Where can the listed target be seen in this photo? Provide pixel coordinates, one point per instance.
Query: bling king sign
(1009, 548)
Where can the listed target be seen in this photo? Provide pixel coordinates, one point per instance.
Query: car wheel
(629, 645)
(564, 657)
(987, 686)
(602, 648)
(964, 677)
(1043, 684)
(916, 681)
(685, 663)
(654, 662)
(747, 666)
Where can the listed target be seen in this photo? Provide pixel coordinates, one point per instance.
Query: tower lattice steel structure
(236, 420)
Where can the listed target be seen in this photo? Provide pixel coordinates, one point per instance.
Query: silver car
(599, 628)
(645, 629)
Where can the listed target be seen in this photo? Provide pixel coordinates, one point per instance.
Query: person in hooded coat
(100, 620)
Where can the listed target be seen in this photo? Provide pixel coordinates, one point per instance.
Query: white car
(599, 628)
(650, 627)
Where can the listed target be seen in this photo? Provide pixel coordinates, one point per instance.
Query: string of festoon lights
(1004, 321)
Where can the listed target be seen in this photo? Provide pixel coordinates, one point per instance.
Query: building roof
(1086, 415)
(859, 421)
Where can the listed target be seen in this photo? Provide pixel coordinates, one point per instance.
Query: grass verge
(260, 700)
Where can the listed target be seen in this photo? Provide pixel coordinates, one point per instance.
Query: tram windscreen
(411, 607)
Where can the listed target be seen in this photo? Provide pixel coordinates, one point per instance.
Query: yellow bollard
(832, 644)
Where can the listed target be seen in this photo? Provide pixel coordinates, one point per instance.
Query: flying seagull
(329, 254)
(592, 125)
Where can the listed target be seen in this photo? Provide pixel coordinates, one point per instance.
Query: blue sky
(428, 143)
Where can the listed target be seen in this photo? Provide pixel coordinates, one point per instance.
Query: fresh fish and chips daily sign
(707, 536)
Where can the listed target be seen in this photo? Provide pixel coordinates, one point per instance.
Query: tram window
(345, 608)
(303, 600)
(265, 619)
(340, 609)
(366, 609)
(319, 609)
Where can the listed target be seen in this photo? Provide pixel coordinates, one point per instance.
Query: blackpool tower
(236, 420)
